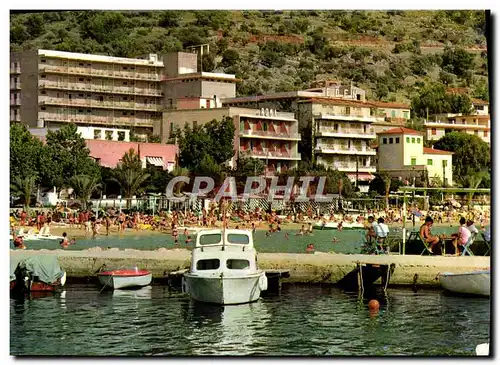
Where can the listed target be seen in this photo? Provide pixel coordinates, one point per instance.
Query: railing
(352, 116)
(99, 104)
(350, 165)
(98, 72)
(266, 153)
(99, 88)
(250, 132)
(335, 148)
(369, 131)
(453, 123)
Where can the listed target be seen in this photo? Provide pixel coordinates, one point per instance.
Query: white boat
(224, 268)
(334, 225)
(483, 349)
(473, 283)
(125, 278)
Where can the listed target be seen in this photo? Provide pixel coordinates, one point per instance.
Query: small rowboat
(471, 283)
(125, 278)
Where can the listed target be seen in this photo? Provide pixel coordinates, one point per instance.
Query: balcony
(15, 102)
(346, 117)
(351, 167)
(99, 88)
(345, 132)
(339, 150)
(269, 135)
(99, 104)
(15, 70)
(91, 119)
(97, 72)
(15, 85)
(267, 154)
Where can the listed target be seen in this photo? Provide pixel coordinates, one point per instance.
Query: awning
(157, 161)
(362, 176)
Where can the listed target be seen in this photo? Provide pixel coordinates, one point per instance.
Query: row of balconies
(131, 90)
(270, 135)
(355, 117)
(326, 148)
(346, 132)
(452, 123)
(110, 120)
(99, 104)
(99, 72)
(266, 153)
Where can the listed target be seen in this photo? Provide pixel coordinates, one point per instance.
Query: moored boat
(125, 278)
(224, 268)
(37, 274)
(471, 283)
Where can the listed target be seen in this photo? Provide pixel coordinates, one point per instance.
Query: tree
(473, 180)
(26, 153)
(68, 156)
(457, 61)
(230, 57)
(83, 187)
(433, 99)
(130, 175)
(24, 188)
(215, 139)
(470, 153)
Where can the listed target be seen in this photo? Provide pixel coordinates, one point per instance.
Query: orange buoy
(373, 305)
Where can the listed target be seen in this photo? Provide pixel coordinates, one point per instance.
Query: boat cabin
(230, 251)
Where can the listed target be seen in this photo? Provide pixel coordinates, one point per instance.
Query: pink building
(109, 153)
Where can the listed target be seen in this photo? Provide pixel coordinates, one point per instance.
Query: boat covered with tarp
(37, 273)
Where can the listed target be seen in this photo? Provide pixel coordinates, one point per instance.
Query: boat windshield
(210, 239)
(210, 264)
(241, 239)
(237, 264)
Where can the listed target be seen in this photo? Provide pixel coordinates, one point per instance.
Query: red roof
(436, 152)
(401, 130)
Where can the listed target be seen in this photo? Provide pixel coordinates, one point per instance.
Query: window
(211, 264)
(171, 127)
(80, 64)
(413, 161)
(109, 135)
(80, 79)
(80, 110)
(407, 139)
(418, 140)
(44, 61)
(412, 140)
(235, 264)
(348, 110)
(210, 239)
(397, 139)
(124, 98)
(43, 92)
(80, 95)
(405, 115)
(125, 83)
(393, 114)
(44, 108)
(476, 132)
(101, 98)
(44, 76)
(97, 134)
(485, 134)
(391, 140)
(384, 140)
(433, 131)
(264, 127)
(429, 162)
(121, 136)
(124, 113)
(445, 163)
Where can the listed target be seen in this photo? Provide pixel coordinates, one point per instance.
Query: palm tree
(83, 187)
(23, 187)
(131, 181)
(472, 180)
(179, 171)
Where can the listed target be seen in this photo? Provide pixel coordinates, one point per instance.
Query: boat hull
(128, 281)
(472, 283)
(225, 289)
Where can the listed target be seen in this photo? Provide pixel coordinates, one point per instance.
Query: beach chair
(467, 249)
(427, 248)
(488, 244)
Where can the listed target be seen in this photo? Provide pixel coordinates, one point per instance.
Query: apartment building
(264, 134)
(389, 114)
(441, 124)
(401, 154)
(54, 87)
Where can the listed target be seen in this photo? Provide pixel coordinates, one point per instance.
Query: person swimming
(64, 242)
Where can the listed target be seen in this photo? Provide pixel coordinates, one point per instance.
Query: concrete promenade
(304, 268)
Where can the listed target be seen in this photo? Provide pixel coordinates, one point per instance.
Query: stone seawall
(304, 268)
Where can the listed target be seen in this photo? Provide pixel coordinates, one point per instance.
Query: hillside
(392, 54)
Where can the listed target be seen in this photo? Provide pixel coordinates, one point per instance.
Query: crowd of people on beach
(112, 220)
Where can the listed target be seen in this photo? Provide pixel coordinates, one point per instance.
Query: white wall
(436, 169)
